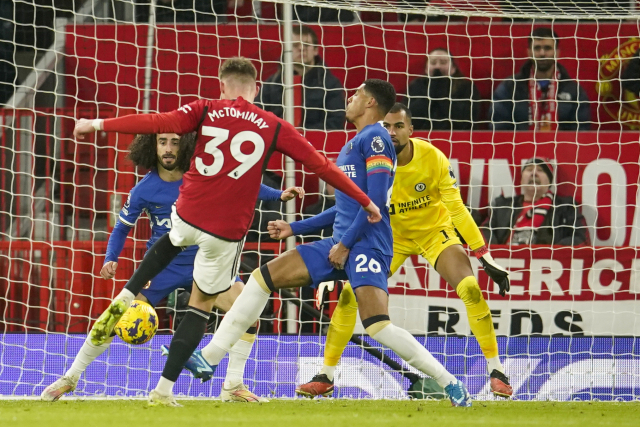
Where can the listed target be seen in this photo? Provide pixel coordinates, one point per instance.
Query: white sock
(329, 371)
(125, 295)
(244, 313)
(407, 347)
(494, 363)
(165, 386)
(238, 356)
(87, 354)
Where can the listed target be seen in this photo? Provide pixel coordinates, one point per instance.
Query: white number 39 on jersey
(219, 135)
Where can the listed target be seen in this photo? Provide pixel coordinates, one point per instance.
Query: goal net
(567, 330)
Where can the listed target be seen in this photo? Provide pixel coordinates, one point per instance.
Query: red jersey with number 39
(234, 143)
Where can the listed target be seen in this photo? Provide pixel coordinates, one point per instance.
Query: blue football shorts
(364, 266)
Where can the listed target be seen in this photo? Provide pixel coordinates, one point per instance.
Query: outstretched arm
(315, 223)
(279, 230)
(183, 120)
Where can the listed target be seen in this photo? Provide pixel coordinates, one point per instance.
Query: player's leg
(183, 344)
(454, 267)
(373, 306)
(289, 270)
(367, 270)
(158, 257)
(171, 278)
(233, 388)
(86, 355)
(214, 270)
(343, 322)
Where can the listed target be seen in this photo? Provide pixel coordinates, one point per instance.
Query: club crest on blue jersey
(377, 145)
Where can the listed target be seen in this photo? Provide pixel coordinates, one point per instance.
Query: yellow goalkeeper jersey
(426, 197)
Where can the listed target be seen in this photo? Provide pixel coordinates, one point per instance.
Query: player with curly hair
(167, 156)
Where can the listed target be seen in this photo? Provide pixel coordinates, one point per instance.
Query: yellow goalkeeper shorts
(430, 246)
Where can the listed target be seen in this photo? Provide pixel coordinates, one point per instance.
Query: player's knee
(375, 324)
(165, 250)
(263, 278)
(469, 291)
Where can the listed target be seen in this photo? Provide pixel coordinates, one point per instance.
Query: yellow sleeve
(452, 200)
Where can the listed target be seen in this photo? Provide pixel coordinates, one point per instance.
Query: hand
(279, 229)
(498, 274)
(83, 127)
(338, 255)
(109, 270)
(374, 213)
(323, 291)
(291, 193)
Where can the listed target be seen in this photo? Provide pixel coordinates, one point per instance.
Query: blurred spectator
(185, 10)
(630, 78)
(7, 51)
(321, 14)
(322, 93)
(444, 99)
(537, 216)
(542, 96)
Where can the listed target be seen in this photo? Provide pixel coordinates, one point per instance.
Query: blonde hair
(239, 68)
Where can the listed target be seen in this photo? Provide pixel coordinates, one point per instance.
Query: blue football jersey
(155, 197)
(370, 151)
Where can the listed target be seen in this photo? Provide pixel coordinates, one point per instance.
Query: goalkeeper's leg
(454, 267)
(343, 322)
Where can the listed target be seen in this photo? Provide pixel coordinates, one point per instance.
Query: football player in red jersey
(217, 198)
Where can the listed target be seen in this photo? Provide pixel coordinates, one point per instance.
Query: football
(139, 324)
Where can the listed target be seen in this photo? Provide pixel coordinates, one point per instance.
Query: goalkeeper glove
(498, 274)
(322, 293)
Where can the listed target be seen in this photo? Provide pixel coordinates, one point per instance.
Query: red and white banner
(600, 170)
(554, 290)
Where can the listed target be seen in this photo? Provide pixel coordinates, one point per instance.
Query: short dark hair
(399, 106)
(305, 30)
(143, 151)
(543, 33)
(238, 67)
(383, 92)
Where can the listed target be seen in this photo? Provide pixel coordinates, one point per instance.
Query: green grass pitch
(321, 413)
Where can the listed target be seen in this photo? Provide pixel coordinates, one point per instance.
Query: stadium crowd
(541, 96)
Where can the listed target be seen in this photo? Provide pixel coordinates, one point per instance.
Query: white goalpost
(569, 328)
